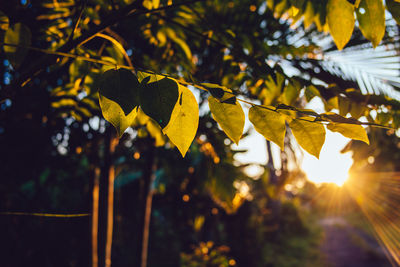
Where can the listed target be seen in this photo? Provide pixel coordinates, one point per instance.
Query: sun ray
(376, 193)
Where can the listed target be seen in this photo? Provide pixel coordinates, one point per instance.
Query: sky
(331, 167)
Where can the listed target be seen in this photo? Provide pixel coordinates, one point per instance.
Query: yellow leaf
(353, 131)
(114, 114)
(309, 135)
(269, 123)
(183, 129)
(229, 116)
(340, 17)
(371, 17)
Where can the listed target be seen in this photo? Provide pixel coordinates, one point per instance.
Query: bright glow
(332, 166)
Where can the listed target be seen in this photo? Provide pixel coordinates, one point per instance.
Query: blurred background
(73, 194)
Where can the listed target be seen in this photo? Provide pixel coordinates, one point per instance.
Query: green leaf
(229, 117)
(269, 123)
(394, 8)
(183, 129)
(17, 34)
(371, 17)
(122, 87)
(309, 135)
(114, 114)
(158, 99)
(353, 131)
(310, 92)
(4, 21)
(340, 16)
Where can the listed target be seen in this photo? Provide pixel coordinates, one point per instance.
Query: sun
(332, 166)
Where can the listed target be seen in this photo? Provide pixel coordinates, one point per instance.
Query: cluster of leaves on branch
(165, 104)
(339, 16)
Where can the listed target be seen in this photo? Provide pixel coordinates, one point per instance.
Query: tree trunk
(106, 201)
(95, 217)
(145, 202)
(274, 204)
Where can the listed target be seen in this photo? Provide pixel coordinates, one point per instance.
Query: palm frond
(376, 71)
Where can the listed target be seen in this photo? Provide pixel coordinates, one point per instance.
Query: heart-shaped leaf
(158, 99)
(122, 87)
(309, 135)
(269, 123)
(229, 116)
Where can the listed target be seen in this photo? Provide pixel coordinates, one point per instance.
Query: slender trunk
(95, 217)
(147, 216)
(270, 164)
(145, 202)
(274, 204)
(110, 207)
(106, 201)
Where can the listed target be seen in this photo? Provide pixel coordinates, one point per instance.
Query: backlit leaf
(229, 116)
(122, 87)
(371, 17)
(114, 114)
(158, 99)
(183, 129)
(17, 34)
(269, 123)
(340, 16)
(353, 131)
(309, 135)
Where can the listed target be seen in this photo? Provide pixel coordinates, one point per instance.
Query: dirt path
(345, 246)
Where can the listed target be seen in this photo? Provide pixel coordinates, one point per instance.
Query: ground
(346, 246)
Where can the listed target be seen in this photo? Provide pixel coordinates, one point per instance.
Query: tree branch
(38, 66)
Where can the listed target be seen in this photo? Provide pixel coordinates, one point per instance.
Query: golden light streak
(377, 195)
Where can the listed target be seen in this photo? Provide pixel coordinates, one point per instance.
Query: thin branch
(83, 6)
(36, 214)
(319, 117)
